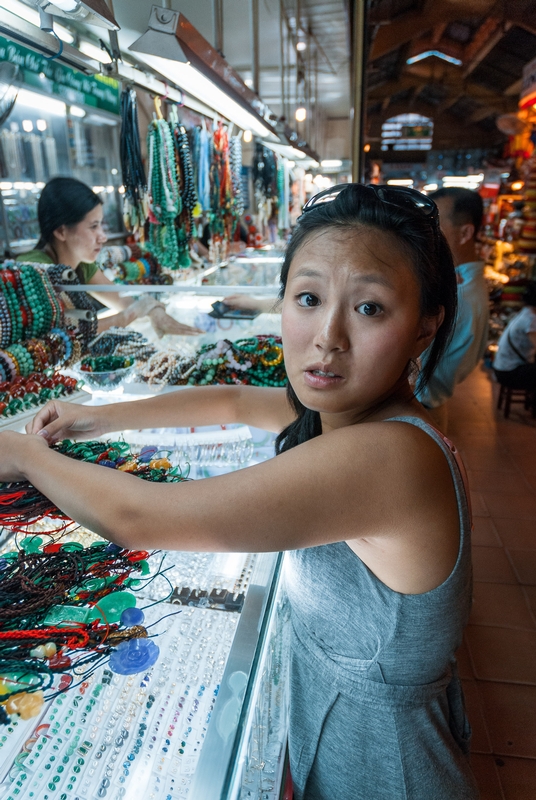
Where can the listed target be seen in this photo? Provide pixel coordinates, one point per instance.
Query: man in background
(460, 217)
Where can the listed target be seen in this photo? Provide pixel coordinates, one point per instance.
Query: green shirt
(84, 271)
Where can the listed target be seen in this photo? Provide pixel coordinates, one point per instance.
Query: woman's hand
(59, 420)
(162, 323)
(16, 451)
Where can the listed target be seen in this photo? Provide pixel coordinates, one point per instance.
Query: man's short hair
(467, 206)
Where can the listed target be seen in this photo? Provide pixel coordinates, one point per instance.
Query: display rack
(18, 422)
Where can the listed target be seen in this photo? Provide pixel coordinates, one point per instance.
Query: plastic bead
(135, 655)
(105, 462)
(50, 649)
(31, 544)
(26, 705)
(147, 453)
(38, 652)
(110, 607)
(59, 662)
(160, 463)
(113, 548)
(128, 466)
(72, 547)
(132, 616)
(13, 681)
(137, 555)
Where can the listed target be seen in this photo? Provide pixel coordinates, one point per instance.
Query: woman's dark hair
(529, 295)
(420, 237)
(63, 201)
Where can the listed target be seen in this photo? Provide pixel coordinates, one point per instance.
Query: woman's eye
(369, 309)
(308, 300)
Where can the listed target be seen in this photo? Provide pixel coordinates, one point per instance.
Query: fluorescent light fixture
(40, 102)
(109, 189)
(331, 163)
(248, 82)
(41, 125)
(465, 181)
(301, 114)
(285, 150)
(429, 187)
(121, 189)
(195, 83)
(95, 52)
(27, 125)
(438, 54)
(91, 12)
(248, 136)
(76, 111)
(98, 189)
(5, 186)
(400, 182)
(31, 15)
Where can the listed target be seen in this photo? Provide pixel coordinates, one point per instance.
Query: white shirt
(515, 333)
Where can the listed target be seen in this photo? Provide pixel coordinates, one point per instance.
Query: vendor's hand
(162, 323)
(243, 301)
(16, 451)
(58, 420)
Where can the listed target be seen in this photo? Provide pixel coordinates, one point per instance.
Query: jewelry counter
(207, 722)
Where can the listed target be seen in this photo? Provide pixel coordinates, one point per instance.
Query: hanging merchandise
(265, 181)
(223, 216)
(257, 361)
(201, 147)
(122, 342)
(166, 240)
(236, 172)
(81, 304)
(185, 174)
(133, 171)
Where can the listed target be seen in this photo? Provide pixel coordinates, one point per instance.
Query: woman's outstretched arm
(203, 405)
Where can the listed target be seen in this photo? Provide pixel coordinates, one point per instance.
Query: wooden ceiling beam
(407, 26)
(487, 36)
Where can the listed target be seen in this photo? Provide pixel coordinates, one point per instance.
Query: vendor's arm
(129, 309)
(204, 405)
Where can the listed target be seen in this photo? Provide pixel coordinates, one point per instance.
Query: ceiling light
(39, 102)
(92, 12)
(333, 162)
(438, 54)
(94, 52)
(429, 187)
(366, 148)
(76, 111)
(301, 46)
(248, 136)
(400, 182)
(301, 114)
(113, 171)
(31, 15)
(41, 124)
(517, 186)
(248, 82)
(195, 83)
(27, 125)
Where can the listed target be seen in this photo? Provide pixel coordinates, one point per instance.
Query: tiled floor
(498, 658)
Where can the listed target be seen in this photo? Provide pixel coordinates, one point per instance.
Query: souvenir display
(23, 394)
(122, 342)
(223, 210)
(201, 147)
(256, 362)
(133, 171)
(29, 306)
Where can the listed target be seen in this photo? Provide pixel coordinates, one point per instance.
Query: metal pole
(282, 57)
(218, 26)
(254, 5)
(358, 87)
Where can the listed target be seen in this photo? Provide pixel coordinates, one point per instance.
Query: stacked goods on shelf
(130, 265)
(24, 394)
(526, 244)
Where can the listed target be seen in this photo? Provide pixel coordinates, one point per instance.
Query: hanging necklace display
(236, 172)
(185, 172)
(164, 195)
(201, 155)
(133, 171)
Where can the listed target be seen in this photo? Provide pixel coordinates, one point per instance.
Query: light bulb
(248, 136)
(301, 114)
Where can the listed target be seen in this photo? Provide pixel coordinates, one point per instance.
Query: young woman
(70, 221)
(367, 498)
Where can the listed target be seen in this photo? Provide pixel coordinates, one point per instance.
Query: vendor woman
(70, 221)
(364, 494)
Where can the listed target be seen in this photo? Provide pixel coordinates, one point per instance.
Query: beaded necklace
(164, 196)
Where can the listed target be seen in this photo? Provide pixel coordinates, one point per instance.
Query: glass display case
(208, 721)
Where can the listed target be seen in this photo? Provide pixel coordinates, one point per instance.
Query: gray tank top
(376, 707)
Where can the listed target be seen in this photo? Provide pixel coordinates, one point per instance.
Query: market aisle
(498, 658)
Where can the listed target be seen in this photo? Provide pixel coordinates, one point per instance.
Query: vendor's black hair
(63, 201)
(467, 205)
(428, 251)
(529, 295)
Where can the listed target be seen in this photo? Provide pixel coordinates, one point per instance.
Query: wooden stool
(511, 396)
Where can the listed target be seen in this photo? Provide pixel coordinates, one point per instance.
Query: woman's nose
(332, 333)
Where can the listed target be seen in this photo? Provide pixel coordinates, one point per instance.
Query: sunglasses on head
(400, 196)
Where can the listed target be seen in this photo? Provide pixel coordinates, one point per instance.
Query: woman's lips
(320, 379)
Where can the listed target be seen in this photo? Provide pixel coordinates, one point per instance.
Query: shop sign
(528, 85)
(51, 77)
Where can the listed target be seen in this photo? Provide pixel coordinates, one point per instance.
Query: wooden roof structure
(492, 40)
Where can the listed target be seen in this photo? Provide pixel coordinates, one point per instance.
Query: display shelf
(19, 421)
